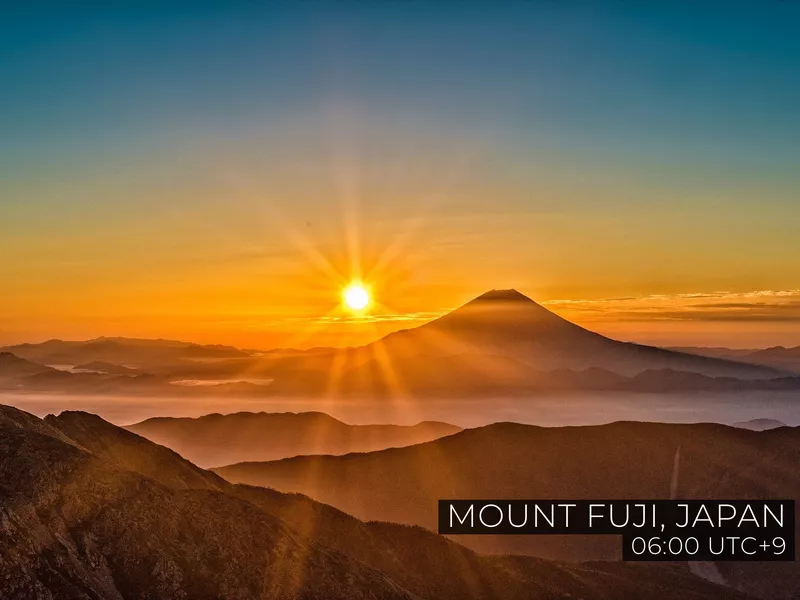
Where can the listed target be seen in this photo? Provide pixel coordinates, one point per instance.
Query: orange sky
(259, 261)
(220, 174)
(282, 288)
(240, 260)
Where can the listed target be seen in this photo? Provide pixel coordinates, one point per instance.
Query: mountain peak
(498, 317)
(510, 295)
(509, 302)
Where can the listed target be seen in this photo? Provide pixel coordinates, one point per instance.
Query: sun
(356, 296)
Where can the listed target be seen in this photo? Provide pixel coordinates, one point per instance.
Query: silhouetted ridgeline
(760, 424)
(215, 440)
(778, 357)
(501, 343)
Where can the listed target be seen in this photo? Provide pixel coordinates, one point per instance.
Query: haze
(550, 411)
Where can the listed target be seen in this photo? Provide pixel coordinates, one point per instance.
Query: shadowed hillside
(92, 511)
(506, 460)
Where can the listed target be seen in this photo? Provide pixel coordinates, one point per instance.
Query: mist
(549, 410)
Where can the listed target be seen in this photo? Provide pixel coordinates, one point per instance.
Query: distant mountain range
(778, 357)
(91, 511)
(760, 424)
(127, 352)
(215, 440)
(499, 344)
(506, 460)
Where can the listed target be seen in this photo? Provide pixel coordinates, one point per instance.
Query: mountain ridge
(212, 440)
(506, 322)
(111, 515)
(624, 459)
(499, 343)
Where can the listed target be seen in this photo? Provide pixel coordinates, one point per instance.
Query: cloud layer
(752, 306)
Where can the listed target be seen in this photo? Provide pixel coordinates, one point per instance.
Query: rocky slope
(91, 511)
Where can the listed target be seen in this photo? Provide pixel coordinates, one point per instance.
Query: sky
(218, 171)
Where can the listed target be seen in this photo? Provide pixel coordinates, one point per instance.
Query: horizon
(368, 318)
(416, 320)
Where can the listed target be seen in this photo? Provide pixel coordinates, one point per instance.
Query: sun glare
(356, 296)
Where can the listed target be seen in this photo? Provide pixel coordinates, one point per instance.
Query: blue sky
(627, 77)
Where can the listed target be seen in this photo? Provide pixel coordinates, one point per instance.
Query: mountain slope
(505, 460)
(216, 439)
(76, 526)
(507, 323)
(91, 511)
(12, 366)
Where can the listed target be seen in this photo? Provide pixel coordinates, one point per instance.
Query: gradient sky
(216, 171)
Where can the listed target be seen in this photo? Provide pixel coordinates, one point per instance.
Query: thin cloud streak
(383, 318)
(756, 305)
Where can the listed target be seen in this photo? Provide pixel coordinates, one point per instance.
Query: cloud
(756, 305)
(751, 306)
(378, 318)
